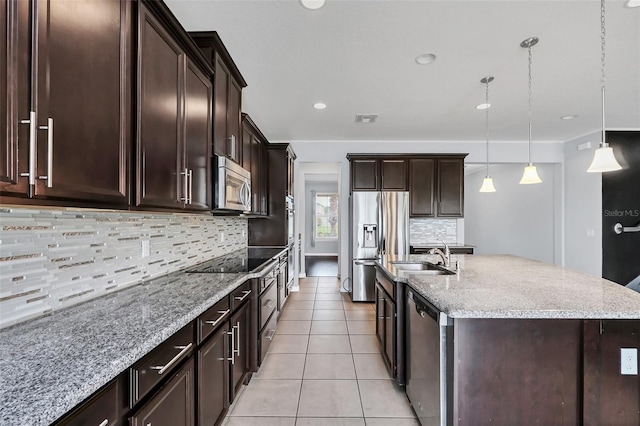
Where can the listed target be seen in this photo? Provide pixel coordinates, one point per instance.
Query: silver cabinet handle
(190, 187)
(49, 129)
(105, 422)
(233, 347)
(220, 318)
(32, 147)
(619, 229)
(237, 327)
(163, 368)
(185, 186)
(231, 147)
(270, 336)
(245, 294)
(268, 303)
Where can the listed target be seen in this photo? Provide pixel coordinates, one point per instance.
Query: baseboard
(302, 275)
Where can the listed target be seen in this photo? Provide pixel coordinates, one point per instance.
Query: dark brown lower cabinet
(609, 396)
(385, 327)
(241, 347)
(173, 404)
(213, 378)
(101, 409)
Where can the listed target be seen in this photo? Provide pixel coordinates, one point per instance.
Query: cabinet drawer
(268, 303)
(240, 295)
(159, 363)
(173, 404)
(101, 409)
(387, 285)
(212, 318)
(266, 336)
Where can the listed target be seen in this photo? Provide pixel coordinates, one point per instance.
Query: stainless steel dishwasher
(427, 331)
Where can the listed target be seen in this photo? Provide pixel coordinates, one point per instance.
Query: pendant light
(603, 159)
(530, 174)
(487, 183)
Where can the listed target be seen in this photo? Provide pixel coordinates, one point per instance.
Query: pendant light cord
(602, 63)
(530, 95)
(486, 114)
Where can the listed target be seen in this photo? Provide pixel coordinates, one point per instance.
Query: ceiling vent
(366, 118)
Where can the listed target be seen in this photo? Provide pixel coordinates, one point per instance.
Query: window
(326, 220)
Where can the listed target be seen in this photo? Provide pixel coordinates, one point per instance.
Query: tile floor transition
(323, 367)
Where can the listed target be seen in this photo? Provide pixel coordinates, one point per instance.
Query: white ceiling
(358, 56)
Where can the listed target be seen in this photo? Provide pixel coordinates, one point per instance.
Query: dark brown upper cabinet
(378, 174)
(174, 122)
(365, 174)
(66, 108)
(436, 187)
(228, 85)
(394, 175)
(254, 160)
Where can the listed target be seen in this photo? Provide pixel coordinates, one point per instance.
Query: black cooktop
(240, 261)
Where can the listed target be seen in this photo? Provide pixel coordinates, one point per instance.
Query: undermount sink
(423, 268)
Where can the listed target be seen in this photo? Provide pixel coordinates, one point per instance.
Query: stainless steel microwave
(232, 185)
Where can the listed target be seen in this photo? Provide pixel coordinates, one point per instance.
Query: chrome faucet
(444, 255)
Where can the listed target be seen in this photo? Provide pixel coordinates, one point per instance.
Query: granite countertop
(52, 363)
(500, 286)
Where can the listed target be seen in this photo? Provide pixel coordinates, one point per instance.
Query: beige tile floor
(323, 367)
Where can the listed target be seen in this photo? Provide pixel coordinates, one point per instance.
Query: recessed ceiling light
(319, 105)
(632, 3)
(568, 117)
(425, 59)
(483, 106)
(312, 4)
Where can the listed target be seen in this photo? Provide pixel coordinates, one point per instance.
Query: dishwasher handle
(422, 308)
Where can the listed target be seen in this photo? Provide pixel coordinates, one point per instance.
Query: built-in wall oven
(232, 185)
(282, 281)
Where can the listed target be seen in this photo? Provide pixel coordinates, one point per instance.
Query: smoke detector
(366, 118)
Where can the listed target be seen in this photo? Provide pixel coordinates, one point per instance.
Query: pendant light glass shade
(487, 185)
(604, 161)
(530, 175)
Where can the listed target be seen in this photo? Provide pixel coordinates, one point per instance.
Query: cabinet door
(451, 187)
(15, 100)
(422, 178)
(258, 186)
(233, 122)
(221, 99)
(242, 347)
(247, 136)
(380, 316)
(197, 138)
(160, 74)
(213, 378)
(389, 337)
(364, 175)
(394, 175)
(173, 405)
(83, 100)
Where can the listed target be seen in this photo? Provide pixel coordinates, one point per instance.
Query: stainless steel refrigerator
(379, 225)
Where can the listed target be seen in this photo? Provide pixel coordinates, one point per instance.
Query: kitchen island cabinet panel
(510, 371)
(75, 144)
(610, 397)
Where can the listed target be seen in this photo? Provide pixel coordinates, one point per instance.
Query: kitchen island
(521, 342)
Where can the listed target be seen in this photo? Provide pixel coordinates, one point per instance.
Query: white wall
(319, 247)
(516, 219)
(582, 208)
(331, 152)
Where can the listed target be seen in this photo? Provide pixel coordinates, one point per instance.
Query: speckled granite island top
(501, 286)
(50, 364)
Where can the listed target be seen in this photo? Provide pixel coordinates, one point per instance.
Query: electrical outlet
(591, 232)
(144, 244)
(629, 361)
(221, 237)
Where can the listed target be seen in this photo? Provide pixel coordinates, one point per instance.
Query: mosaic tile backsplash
(54, 258)
(425, 231)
